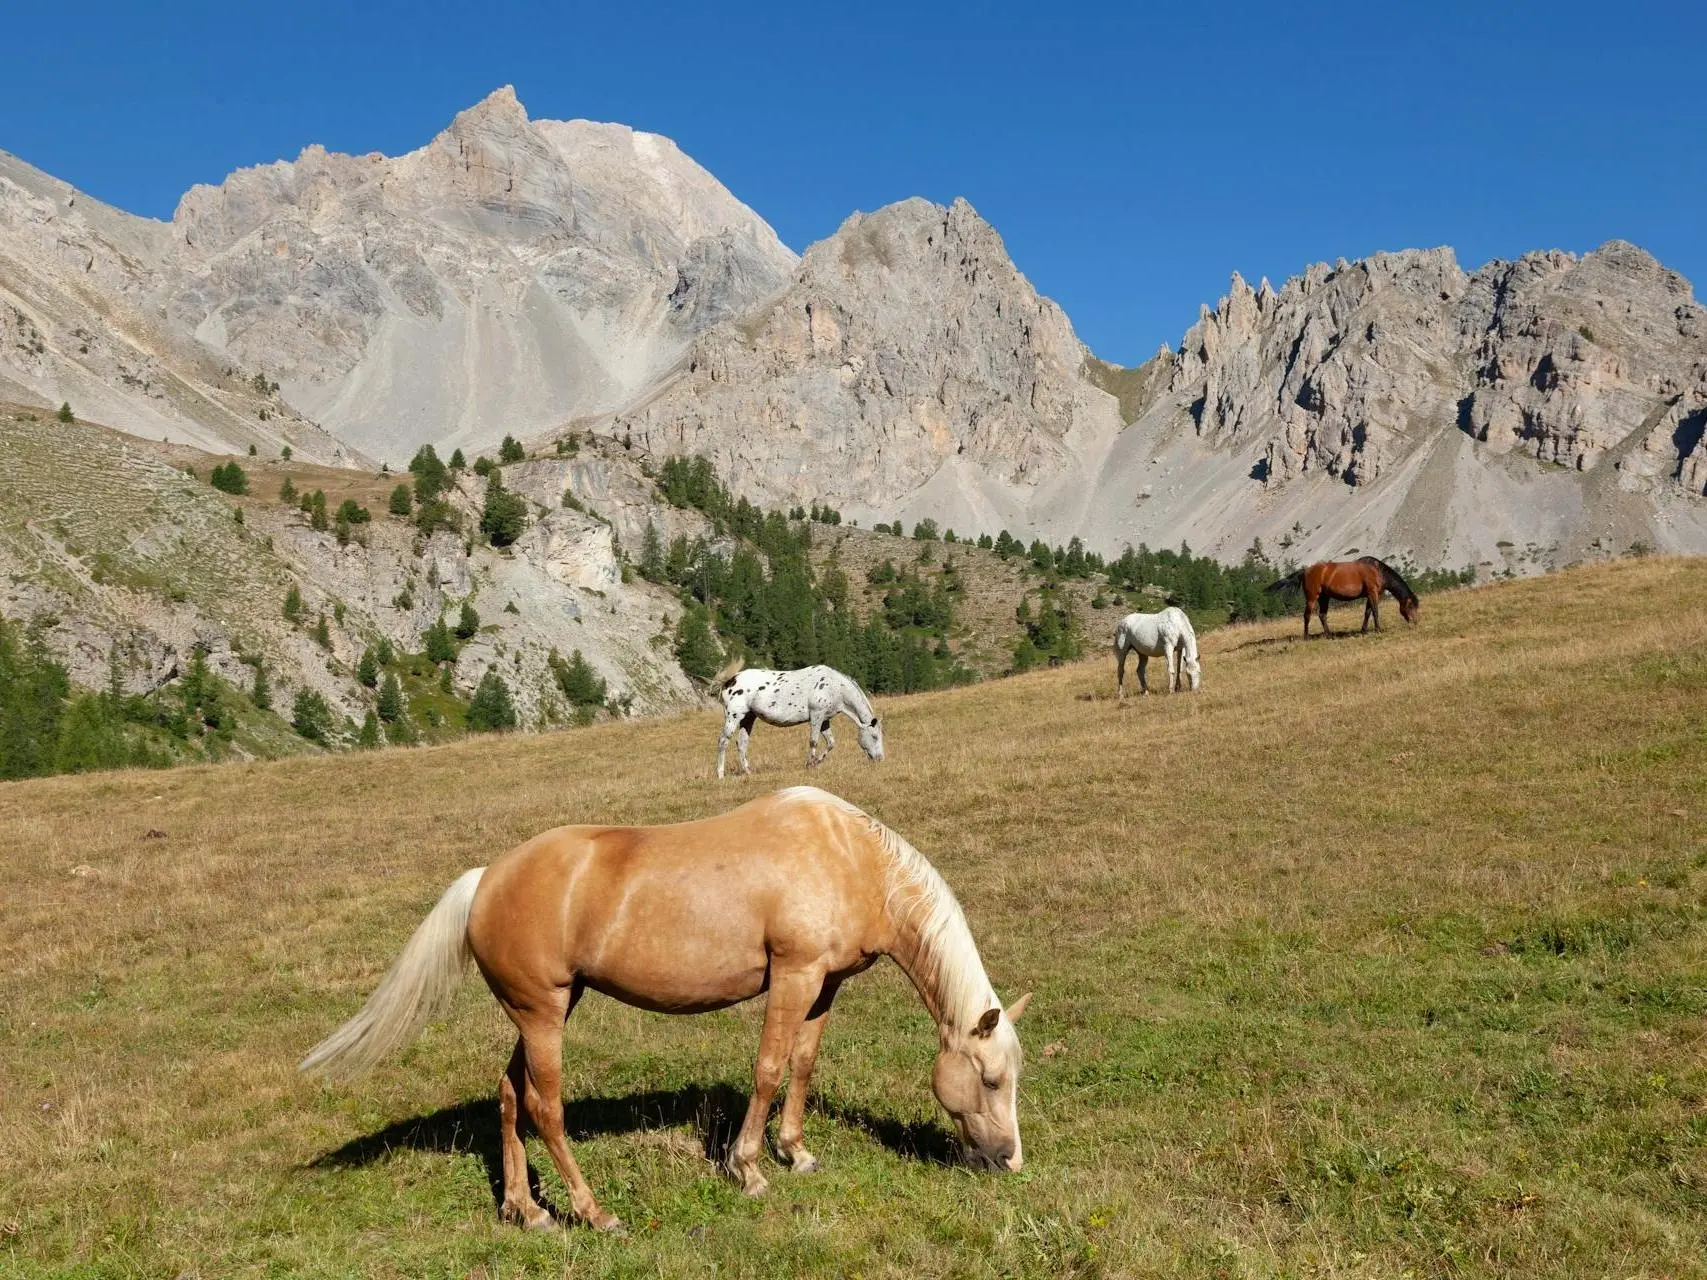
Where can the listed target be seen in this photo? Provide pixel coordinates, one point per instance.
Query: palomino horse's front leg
(792, 996)
(542, 1050)
(791, 1132)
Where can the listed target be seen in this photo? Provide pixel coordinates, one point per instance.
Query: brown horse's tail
(416, 986)
(1291, 582)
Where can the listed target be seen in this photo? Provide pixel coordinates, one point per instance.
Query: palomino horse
(1362, 579)
(1167, 634)
(811, 695)
(793, 894)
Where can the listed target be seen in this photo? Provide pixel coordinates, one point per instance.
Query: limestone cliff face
(1348, 369)
(510, 275)
(907, 340)
(80, 324)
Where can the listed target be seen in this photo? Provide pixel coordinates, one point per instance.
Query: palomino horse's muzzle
(1005, 1160)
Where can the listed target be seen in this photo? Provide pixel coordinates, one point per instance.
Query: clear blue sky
(1131, 154)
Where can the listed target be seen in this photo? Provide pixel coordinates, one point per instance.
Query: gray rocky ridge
(538, 278)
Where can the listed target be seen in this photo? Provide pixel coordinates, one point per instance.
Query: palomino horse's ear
(987, 1024)
(1016, 1010)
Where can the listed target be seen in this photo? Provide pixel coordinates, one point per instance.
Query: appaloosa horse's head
(977, 1081)
(871, 737)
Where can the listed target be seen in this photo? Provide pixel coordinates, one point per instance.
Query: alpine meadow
(446, 533)
(1379, 956)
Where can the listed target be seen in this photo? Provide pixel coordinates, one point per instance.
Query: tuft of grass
(1381, 955)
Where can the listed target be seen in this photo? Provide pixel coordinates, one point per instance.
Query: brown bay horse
(790, 894)
(1362, 579)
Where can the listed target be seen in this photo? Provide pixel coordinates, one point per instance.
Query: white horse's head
(871, 737)
(977, 1081)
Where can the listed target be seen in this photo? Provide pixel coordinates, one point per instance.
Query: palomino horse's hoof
(604, 1220)
(803, 1162)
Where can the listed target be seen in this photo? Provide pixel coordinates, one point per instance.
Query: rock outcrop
(907, 342)
(510, 275)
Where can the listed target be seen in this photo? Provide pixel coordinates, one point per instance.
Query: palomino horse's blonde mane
(948, 964)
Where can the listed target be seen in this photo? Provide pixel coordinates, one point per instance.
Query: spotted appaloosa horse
(790, 895)
(811, 695)
(1362, 579)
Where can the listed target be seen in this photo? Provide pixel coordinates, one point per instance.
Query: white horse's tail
(416, 986)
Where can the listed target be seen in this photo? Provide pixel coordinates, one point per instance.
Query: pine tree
(458, 462)
(401, 503)
(511, 451)
(491, 710)
(504, 515)
(311, 717)
(467, 623)
(580, 684)
(260, 693)
(368, 738)
(65, 414)
(695, 649)
(287, 492)
(652, 555)
(323, 634)
(292, 604)
(390, 703)
(440, 646)
(367, 669)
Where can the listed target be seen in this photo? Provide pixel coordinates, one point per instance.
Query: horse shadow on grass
(715, 1113)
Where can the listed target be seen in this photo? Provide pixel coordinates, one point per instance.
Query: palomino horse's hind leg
(791, 997)
(542, 1047)
(791, 1132)
(519, 1206)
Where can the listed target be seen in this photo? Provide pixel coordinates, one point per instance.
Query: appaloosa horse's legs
(746, 733)
(792, 996)
(731, 722)
(518, 1203)
(542, 1047)
(791, 1132)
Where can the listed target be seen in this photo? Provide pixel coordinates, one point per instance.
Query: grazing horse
(1362, 579)
(1167, 634)
(792, 894)
(811, 695)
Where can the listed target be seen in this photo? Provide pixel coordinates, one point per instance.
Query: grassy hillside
(1380, 956)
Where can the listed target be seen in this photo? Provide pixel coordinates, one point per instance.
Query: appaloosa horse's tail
(725, 677)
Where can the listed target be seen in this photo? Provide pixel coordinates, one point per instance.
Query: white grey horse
(811, 695)
(1157, 635)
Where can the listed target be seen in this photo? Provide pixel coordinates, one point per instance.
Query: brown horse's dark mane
(1391, 581)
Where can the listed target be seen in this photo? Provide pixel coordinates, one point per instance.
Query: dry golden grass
(1380, 956)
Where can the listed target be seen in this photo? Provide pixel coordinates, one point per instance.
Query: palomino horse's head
(1408, 609)
(871, 738)
(977, 1081)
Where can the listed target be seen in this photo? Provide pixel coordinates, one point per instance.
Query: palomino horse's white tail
(415, 987)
